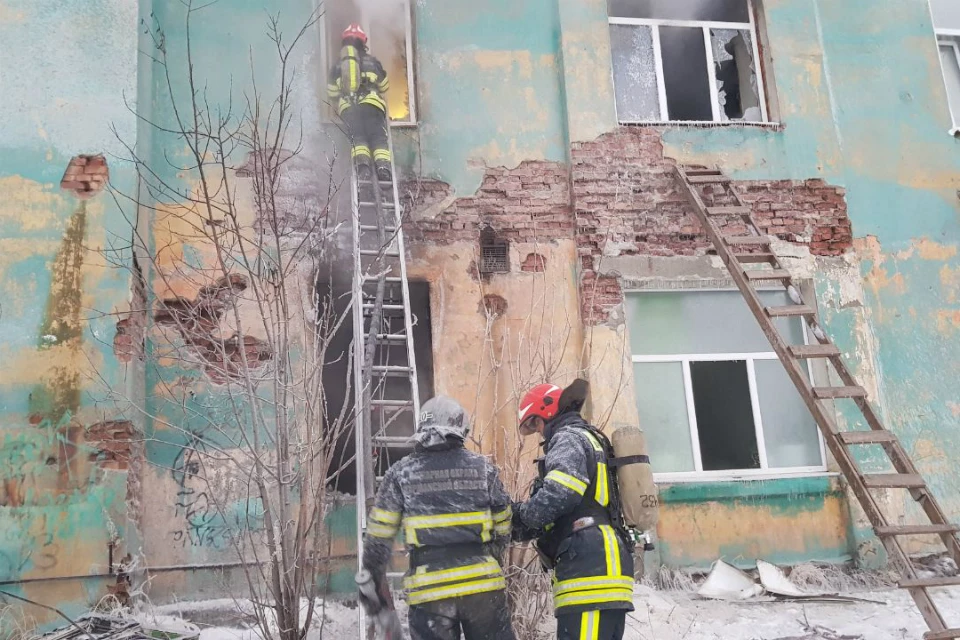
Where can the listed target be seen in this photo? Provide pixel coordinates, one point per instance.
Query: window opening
(389, 25)
(725, 427)
(946, 22)
(685, 62)
(494, 253)
(713, 398)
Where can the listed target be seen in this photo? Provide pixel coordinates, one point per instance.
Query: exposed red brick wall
(534, 263)
(627, 202)
(85, 176)
(111, 441)
(528, 204)
(128, 341)
(619, 197)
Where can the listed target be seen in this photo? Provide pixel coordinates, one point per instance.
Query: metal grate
(494, 258)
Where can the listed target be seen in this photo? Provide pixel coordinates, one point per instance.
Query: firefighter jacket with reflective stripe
(358, 78)
(574, 508)
(452, 509)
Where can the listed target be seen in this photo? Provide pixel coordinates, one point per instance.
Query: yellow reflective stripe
(590, 625)
(593, 441)
(589, 584)
(333, 90)
(502, 528)
(603, 492)
(482, 518)
(506, 514)
(465, 589)
(380, 154)
(388, 517)
(611, 549)
(360, 150)
(568, 481)
(384, 86)
(479, 570)
(593, 597)
(381, 530)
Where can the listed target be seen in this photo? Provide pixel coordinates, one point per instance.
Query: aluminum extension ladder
(741, 252)
(387, 398)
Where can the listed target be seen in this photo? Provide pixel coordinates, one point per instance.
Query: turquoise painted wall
(67, 67)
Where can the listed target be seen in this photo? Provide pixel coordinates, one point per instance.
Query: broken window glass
(736, 75)
(789, 431)
(725, 425)
(634, 73)
(706, 10)
(685, 73)
(950, 61)
(662, 406)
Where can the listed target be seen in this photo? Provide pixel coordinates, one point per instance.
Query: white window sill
(403, 125)
(706, 124)
(734, 476)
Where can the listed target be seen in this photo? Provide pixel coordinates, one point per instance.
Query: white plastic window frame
(949, 38)
(699, 474)
(655, 25)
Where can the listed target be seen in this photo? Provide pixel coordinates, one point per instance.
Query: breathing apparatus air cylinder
(638, 493)
(350, 74)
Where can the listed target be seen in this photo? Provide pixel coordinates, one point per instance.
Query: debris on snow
(114, 627)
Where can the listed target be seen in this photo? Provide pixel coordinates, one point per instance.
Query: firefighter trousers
(482, 616)
(367, 128)
(607, 624)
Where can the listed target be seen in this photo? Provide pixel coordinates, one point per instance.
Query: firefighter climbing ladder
(385, 369)
(744, 254)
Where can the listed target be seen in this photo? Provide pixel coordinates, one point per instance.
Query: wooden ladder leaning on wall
(750, 260)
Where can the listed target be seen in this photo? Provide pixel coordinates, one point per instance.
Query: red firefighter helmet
(355, 31)
(543, 401)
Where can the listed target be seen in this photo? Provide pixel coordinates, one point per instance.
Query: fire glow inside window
(686, 60)
(946, 20)
(714, 400)
(389, 25)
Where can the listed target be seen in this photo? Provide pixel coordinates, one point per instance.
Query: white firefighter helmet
(441, 417)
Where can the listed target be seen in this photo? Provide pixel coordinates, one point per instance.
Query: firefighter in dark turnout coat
(358, 84)
(574, 513)
(456, 517)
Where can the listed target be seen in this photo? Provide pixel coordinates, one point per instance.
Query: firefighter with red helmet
(574, 513)
(358, 83)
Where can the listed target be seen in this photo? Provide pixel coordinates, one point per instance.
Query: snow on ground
(682, 616)
(659, 615)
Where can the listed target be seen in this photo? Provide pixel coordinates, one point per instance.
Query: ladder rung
(404, 440)
(707, 178)
(827, 393)
(388, 279)
(373, 227)
(893, 481)
(758, 241)
(386, 369)
(728, 211)
(946, 634)
(754, 258)
(926, 583)
(391, 337)
(768, 274)
(385, 307)
(866, 437)
(791, 310)
(917, 529)
(378, 252)
(391, 403)
(815, 350)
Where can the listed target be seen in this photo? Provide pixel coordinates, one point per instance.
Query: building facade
(535, 145)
